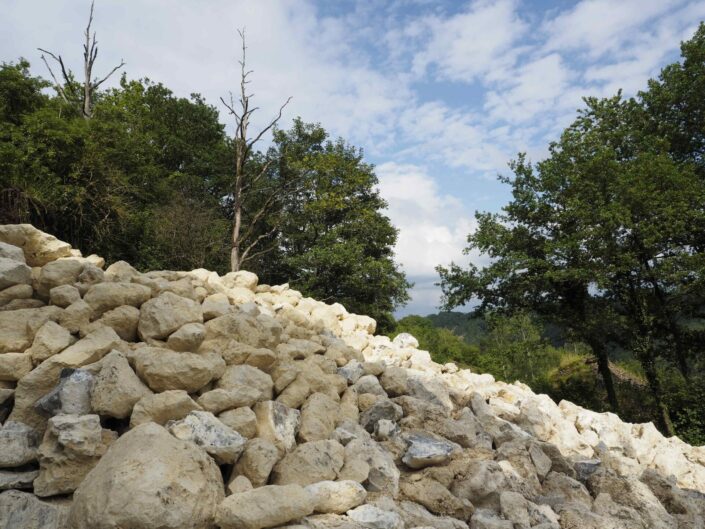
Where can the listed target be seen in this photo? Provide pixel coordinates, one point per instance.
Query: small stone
(352, 371)
(18, 444)
(375, 518)
(164, 369)
(585, 468)
(383, 408)
(206, 431)
(309, 463)
(13, 273)
(277, 423)
(319, 415)
(23, 510)
(238, 484)
(103, 297)
(215, 305)
(386, 430)
(336, 496)
(187, 337)
(242, 420)
(161, 316)
(244, 375)
(13, 366)
(257, 461)
(10, 251)
(64, 295)
(72, 446)
(162, 407)
(50, 339)
(116, 388)
(425, 450)
(219, 400)
(17, 479)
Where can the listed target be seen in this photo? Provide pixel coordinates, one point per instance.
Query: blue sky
(440, 94)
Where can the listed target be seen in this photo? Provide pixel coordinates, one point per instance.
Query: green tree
(444, 345)
(517, 350)
(333, 242)
(599, 236)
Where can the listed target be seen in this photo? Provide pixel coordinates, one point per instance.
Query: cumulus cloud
(432, 225)
(479, 41)
(436, 92)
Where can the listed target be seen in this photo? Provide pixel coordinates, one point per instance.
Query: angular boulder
(149, 480)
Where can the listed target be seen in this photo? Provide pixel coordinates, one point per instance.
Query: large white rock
(39, 248)
(163, 369)
(149, 480)
(268, 506)
(336, 496)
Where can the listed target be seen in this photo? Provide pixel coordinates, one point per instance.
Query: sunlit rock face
(191, 400)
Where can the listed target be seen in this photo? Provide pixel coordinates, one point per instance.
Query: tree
(245, 241)
(80, 95)
(599, 237)
(333, 240)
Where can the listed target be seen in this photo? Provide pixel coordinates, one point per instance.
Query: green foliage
(149, 178)
(516, 350)
(333, 241)
(604, 237)
(444, 345)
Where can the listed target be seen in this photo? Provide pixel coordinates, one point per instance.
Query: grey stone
(205, 430)
(352, 371)
(585, 468)
(23, 510)
(382, 409)
(425, 451)
(71, 395)
(17, 479)
(18, 444)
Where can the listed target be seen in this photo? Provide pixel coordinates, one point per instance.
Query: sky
(440, 94)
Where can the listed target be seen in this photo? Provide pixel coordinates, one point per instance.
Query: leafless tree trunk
(242, 245)
(69, 90)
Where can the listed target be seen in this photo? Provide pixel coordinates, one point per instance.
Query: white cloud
(478, 42)
(596, 27)
(432, 225)
(193, 47)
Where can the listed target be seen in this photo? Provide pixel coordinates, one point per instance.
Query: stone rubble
(191, 400)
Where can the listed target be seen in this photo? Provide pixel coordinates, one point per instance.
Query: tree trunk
(603, 367)
(664, 417)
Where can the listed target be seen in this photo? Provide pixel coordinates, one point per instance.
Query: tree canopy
(604, 236)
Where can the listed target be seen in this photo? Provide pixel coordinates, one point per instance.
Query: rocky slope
(189, 400)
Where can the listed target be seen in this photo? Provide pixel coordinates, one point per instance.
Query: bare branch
(254, 243)
(96, 84)
(57, 84)
(271, 123)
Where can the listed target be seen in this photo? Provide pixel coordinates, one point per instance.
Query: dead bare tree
(243, 240)
(70, 91)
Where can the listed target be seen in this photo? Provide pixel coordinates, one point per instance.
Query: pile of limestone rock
(185, 400)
